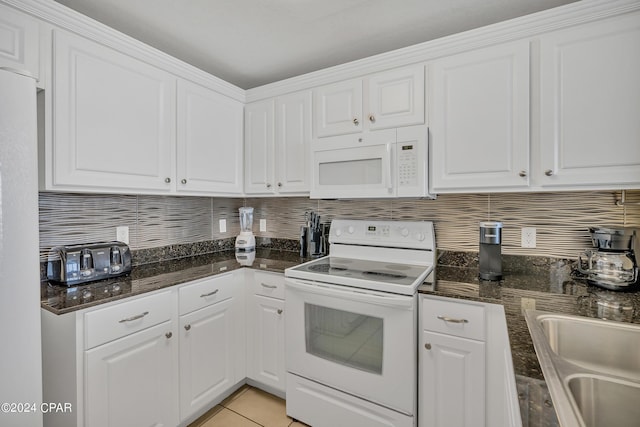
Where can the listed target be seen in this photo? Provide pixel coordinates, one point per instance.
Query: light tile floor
(248, 407)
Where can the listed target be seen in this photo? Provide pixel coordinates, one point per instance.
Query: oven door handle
(359, 295)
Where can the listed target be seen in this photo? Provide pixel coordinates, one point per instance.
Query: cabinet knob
(168, 335)
(279, 184)
(427, 346)
(548, 172)
(167, 180)
(356, 122)
(184, 181)
(372, 118)
(187, 327)
(523, 173)
(268, 185)
(279, 311)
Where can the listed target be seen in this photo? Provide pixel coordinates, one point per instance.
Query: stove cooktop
(367, 274)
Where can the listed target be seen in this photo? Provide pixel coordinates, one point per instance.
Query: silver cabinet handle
(132, 318)
(452, 320)
(523, 174)
(372, 118)
(279, 184)
(187, 327)
(168, 335)
(279, 311)
(167, 180)
(264, 285)
(184, 181)
(548, 172)
(209, 294)
(356, 122)
(427, 346)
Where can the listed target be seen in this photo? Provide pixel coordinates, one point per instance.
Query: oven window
(343, 337)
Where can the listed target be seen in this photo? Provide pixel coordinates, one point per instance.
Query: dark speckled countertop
(150, 277)
(550, 282)
(553, 285)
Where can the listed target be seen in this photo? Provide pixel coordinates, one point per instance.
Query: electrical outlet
(122, 234)
(223, 225)
(528, 237)
(263, 225)
(527, 304)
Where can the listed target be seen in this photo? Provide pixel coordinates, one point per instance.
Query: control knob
(338, 232)
(351, 229)
(420, 236)
(404, 231)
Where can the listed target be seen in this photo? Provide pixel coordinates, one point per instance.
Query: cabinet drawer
(117, 321)
(453, 318)
(206, 292)
(268, 284)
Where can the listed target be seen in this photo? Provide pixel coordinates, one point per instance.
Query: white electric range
(351, 325)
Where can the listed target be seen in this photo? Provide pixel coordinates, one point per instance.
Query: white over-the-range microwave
(378, 164)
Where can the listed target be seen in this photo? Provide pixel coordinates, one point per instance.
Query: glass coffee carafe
(611, 264)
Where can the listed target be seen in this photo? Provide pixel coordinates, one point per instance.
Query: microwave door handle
(390, 166)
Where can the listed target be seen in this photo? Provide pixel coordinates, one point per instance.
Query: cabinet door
(132, 381)
(259, 147)
(207, 355)
(209, 141)
(293, 139)
(396, 98)
(114, 119)
(18, 41)
(479, 119)
(337, 108)
(590, 104)
(451, 381)
(266, 342)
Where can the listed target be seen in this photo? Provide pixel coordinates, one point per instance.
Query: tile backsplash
(561, 218)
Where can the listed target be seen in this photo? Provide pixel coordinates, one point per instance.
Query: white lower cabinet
(265, 330)
(130, 381)
(211, 340)
(465, 372)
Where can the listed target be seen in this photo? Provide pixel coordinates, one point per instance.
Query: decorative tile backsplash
(561, 218)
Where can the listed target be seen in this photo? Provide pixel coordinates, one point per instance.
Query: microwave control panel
(407, 165)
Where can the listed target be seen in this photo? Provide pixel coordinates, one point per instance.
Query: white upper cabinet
(479, 119)
(18, 41)
(277, 140)
(391, 99)
(113, 120)
(590, 105)
(209, 143)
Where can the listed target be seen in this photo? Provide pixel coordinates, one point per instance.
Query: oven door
(357, 341)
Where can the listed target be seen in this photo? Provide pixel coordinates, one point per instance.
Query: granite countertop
(550, 282)
(150, 277)
(554, 286)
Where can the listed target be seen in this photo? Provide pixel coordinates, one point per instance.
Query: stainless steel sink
(606, 402)
(591, 366)
(607, 347)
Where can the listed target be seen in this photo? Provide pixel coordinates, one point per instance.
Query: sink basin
(591, 366)
(606, 402)
(603, 346)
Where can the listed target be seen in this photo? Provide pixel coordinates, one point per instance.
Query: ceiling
(254, 42)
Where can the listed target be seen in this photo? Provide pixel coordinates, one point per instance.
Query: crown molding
(514, 29)
(70, 20)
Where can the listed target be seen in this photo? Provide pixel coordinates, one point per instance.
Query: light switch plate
(263, 225)
(528, 237)
(223, 225)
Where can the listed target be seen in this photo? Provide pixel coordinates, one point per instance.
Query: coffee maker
(490, 256)
(611, 263)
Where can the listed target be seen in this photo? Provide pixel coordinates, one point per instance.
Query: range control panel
(398, 234)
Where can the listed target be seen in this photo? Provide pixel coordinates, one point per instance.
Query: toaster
(76, 264)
